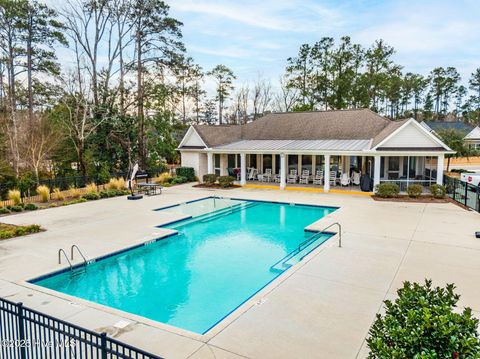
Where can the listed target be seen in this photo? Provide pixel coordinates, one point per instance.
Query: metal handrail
(79, 252)
(60, 251)
(339, 232)
(308, 241)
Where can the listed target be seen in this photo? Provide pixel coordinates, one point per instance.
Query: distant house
(473, 138)
(327, 144)
(437, 126)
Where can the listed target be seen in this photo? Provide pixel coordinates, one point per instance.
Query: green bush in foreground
(226, 181)
(414, 190)
(178, 180)
(10, 231)
(187, 172)
(91, 196)
(438, 191)
(16, 208)
(210, 178)
(421, 323)
(387, 190)
(31, 207)
(4, 210)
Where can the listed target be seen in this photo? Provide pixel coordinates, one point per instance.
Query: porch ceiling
(300, 145)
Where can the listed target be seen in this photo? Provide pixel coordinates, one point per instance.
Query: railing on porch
(462, 192)
(404, 183)
(27, 333)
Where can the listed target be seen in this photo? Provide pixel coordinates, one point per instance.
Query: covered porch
(327, 171)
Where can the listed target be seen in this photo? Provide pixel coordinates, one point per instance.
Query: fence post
(21, 331)
(466, 194)
(103, 345)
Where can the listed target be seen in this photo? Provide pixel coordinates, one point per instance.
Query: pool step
(300, 252)
(75, 272)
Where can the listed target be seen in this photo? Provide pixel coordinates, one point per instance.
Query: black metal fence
(64, 183)
(29, 334)
(463, 192)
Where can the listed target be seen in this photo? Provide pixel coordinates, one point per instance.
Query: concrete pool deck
(321, 308)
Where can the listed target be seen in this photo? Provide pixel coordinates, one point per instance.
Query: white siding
(196, 160)
(410, 136)
(192, 139)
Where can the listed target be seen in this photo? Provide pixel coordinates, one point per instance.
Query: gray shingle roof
(361, 124)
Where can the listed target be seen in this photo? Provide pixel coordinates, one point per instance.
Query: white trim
(428, 133)
(187, 136)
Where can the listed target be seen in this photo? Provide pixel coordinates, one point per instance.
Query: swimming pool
(219, 258)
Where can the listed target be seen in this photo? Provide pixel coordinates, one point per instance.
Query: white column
(283, 171)
(274, 163)
(376, 171)
(299, 165)
(440, 163)
(210, 163)
(243, 169)
(326, 174)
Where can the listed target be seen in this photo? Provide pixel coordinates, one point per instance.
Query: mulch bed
(215, 186)
(405, 198)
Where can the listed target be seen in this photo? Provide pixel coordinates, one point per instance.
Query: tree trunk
(140, 109)
(13, 110)
(29, 69)
(122, 74)
(220, 106)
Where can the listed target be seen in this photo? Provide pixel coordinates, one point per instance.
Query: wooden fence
(38, 199)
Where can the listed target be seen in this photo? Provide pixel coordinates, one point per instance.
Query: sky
(255, 38)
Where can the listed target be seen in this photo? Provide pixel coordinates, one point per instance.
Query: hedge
(187, 172)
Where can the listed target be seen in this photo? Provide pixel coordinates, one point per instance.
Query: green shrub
(226, 181)
(91, 196)
(187, 172)
(414, 190)
(4, 210)
(423, 322)
(16, 208)
(11, 231)
(31, 207)
(210, 178)
(113, 193)
(387, 190)
(438, 191)
(178, 180)
(75, 201)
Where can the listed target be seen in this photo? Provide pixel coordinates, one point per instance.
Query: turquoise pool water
(194, 279)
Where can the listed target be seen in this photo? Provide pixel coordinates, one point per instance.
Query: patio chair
(318, 179)
(267, 175)
(356, 178)
(292, 177)
(305, 177)
(345, 180)
(252, 174)
(276, 178)
(333, 178)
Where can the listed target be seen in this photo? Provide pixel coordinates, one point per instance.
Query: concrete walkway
(321, 308)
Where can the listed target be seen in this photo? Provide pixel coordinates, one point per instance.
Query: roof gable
(473, 134)
(192, 140)
(410, 134)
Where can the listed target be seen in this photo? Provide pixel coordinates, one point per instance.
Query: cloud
(285, 16)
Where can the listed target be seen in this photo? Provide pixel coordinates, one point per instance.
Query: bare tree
(261, 97)
(287, 97)
(87, 23)
(241, 98)
(40, 141)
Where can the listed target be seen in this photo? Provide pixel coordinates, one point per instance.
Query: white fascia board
(428, 133)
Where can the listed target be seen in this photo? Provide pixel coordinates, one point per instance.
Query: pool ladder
(72, 269)
(307, 242)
